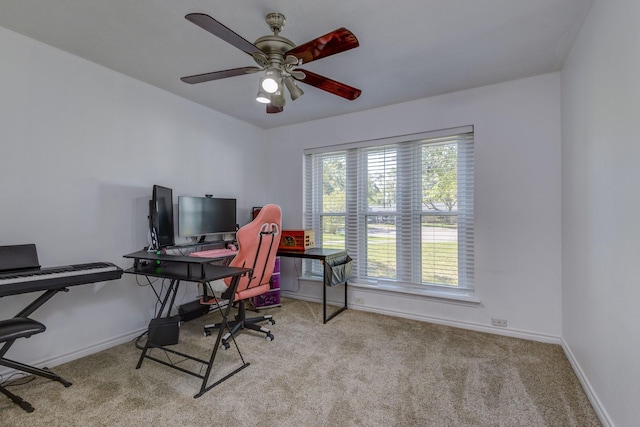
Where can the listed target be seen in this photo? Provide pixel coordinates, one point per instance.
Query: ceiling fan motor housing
(274, 47)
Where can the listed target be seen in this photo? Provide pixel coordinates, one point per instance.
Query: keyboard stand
(26, 312)
(21, 274)
(191, 269)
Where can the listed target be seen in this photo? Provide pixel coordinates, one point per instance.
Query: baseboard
(515, 333)
(598, 408)
(80, 353)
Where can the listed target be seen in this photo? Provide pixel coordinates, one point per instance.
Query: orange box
(297, 240)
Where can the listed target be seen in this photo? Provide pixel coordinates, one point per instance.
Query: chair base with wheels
(11, 330)
(241, 322)
(257, 246)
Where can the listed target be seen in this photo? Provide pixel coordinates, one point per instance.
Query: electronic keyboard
(40, 279)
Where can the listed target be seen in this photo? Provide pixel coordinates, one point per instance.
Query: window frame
(355, 223)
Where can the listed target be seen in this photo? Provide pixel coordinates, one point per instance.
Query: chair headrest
(267, 221)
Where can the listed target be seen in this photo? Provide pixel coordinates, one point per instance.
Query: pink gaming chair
(257, 246)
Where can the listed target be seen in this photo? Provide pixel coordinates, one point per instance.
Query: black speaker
(164, 331)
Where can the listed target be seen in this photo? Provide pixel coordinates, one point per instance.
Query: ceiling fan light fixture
(294, 90)
(263, 97)
(277, 57)
(271, 80)
(277, 99)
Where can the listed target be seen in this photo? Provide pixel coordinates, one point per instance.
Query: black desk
(325, 256)
(191, 269)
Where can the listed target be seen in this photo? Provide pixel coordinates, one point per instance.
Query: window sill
(463, 296)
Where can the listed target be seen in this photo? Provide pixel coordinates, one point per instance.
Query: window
(402, 207)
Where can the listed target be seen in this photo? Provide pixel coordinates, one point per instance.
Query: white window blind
(402, 207)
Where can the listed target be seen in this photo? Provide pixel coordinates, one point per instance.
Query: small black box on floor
(164, 331)
(191, 310)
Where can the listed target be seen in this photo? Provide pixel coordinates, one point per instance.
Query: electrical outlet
(499, 322)
(359, 300)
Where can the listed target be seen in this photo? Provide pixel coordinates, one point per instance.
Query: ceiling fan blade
(272, 109)
(331, 43)
(206, 22)
(217, 75)
(331, 86)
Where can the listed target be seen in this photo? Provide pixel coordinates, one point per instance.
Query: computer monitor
(161, 217)
(201, 216)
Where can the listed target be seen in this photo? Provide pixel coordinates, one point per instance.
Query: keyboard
(57, 272)
(53, 278)
(214, 253)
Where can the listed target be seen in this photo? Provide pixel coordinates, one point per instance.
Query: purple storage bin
(276, 268)
(267, 299)
(275, 281)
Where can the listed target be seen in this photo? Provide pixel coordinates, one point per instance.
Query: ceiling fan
(279, 58)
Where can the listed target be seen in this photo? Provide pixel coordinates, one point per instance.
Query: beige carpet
(360, 369)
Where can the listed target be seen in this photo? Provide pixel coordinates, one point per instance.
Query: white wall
(517, 199)
(80, 149)
(601, 201)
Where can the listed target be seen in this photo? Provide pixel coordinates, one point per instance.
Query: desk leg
(225, 325)
(325, 319)
(171, 291)
(338, 311)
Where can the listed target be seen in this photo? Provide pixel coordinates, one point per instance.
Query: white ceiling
(409, 49)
